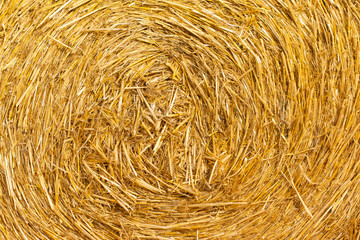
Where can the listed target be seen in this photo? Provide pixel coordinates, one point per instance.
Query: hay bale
(179, 119)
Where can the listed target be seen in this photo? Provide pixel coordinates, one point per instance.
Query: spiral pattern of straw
(171, 119)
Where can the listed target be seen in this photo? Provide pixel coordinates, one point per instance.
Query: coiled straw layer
(179, 119)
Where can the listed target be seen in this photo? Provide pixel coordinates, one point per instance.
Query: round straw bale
(179, 119)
